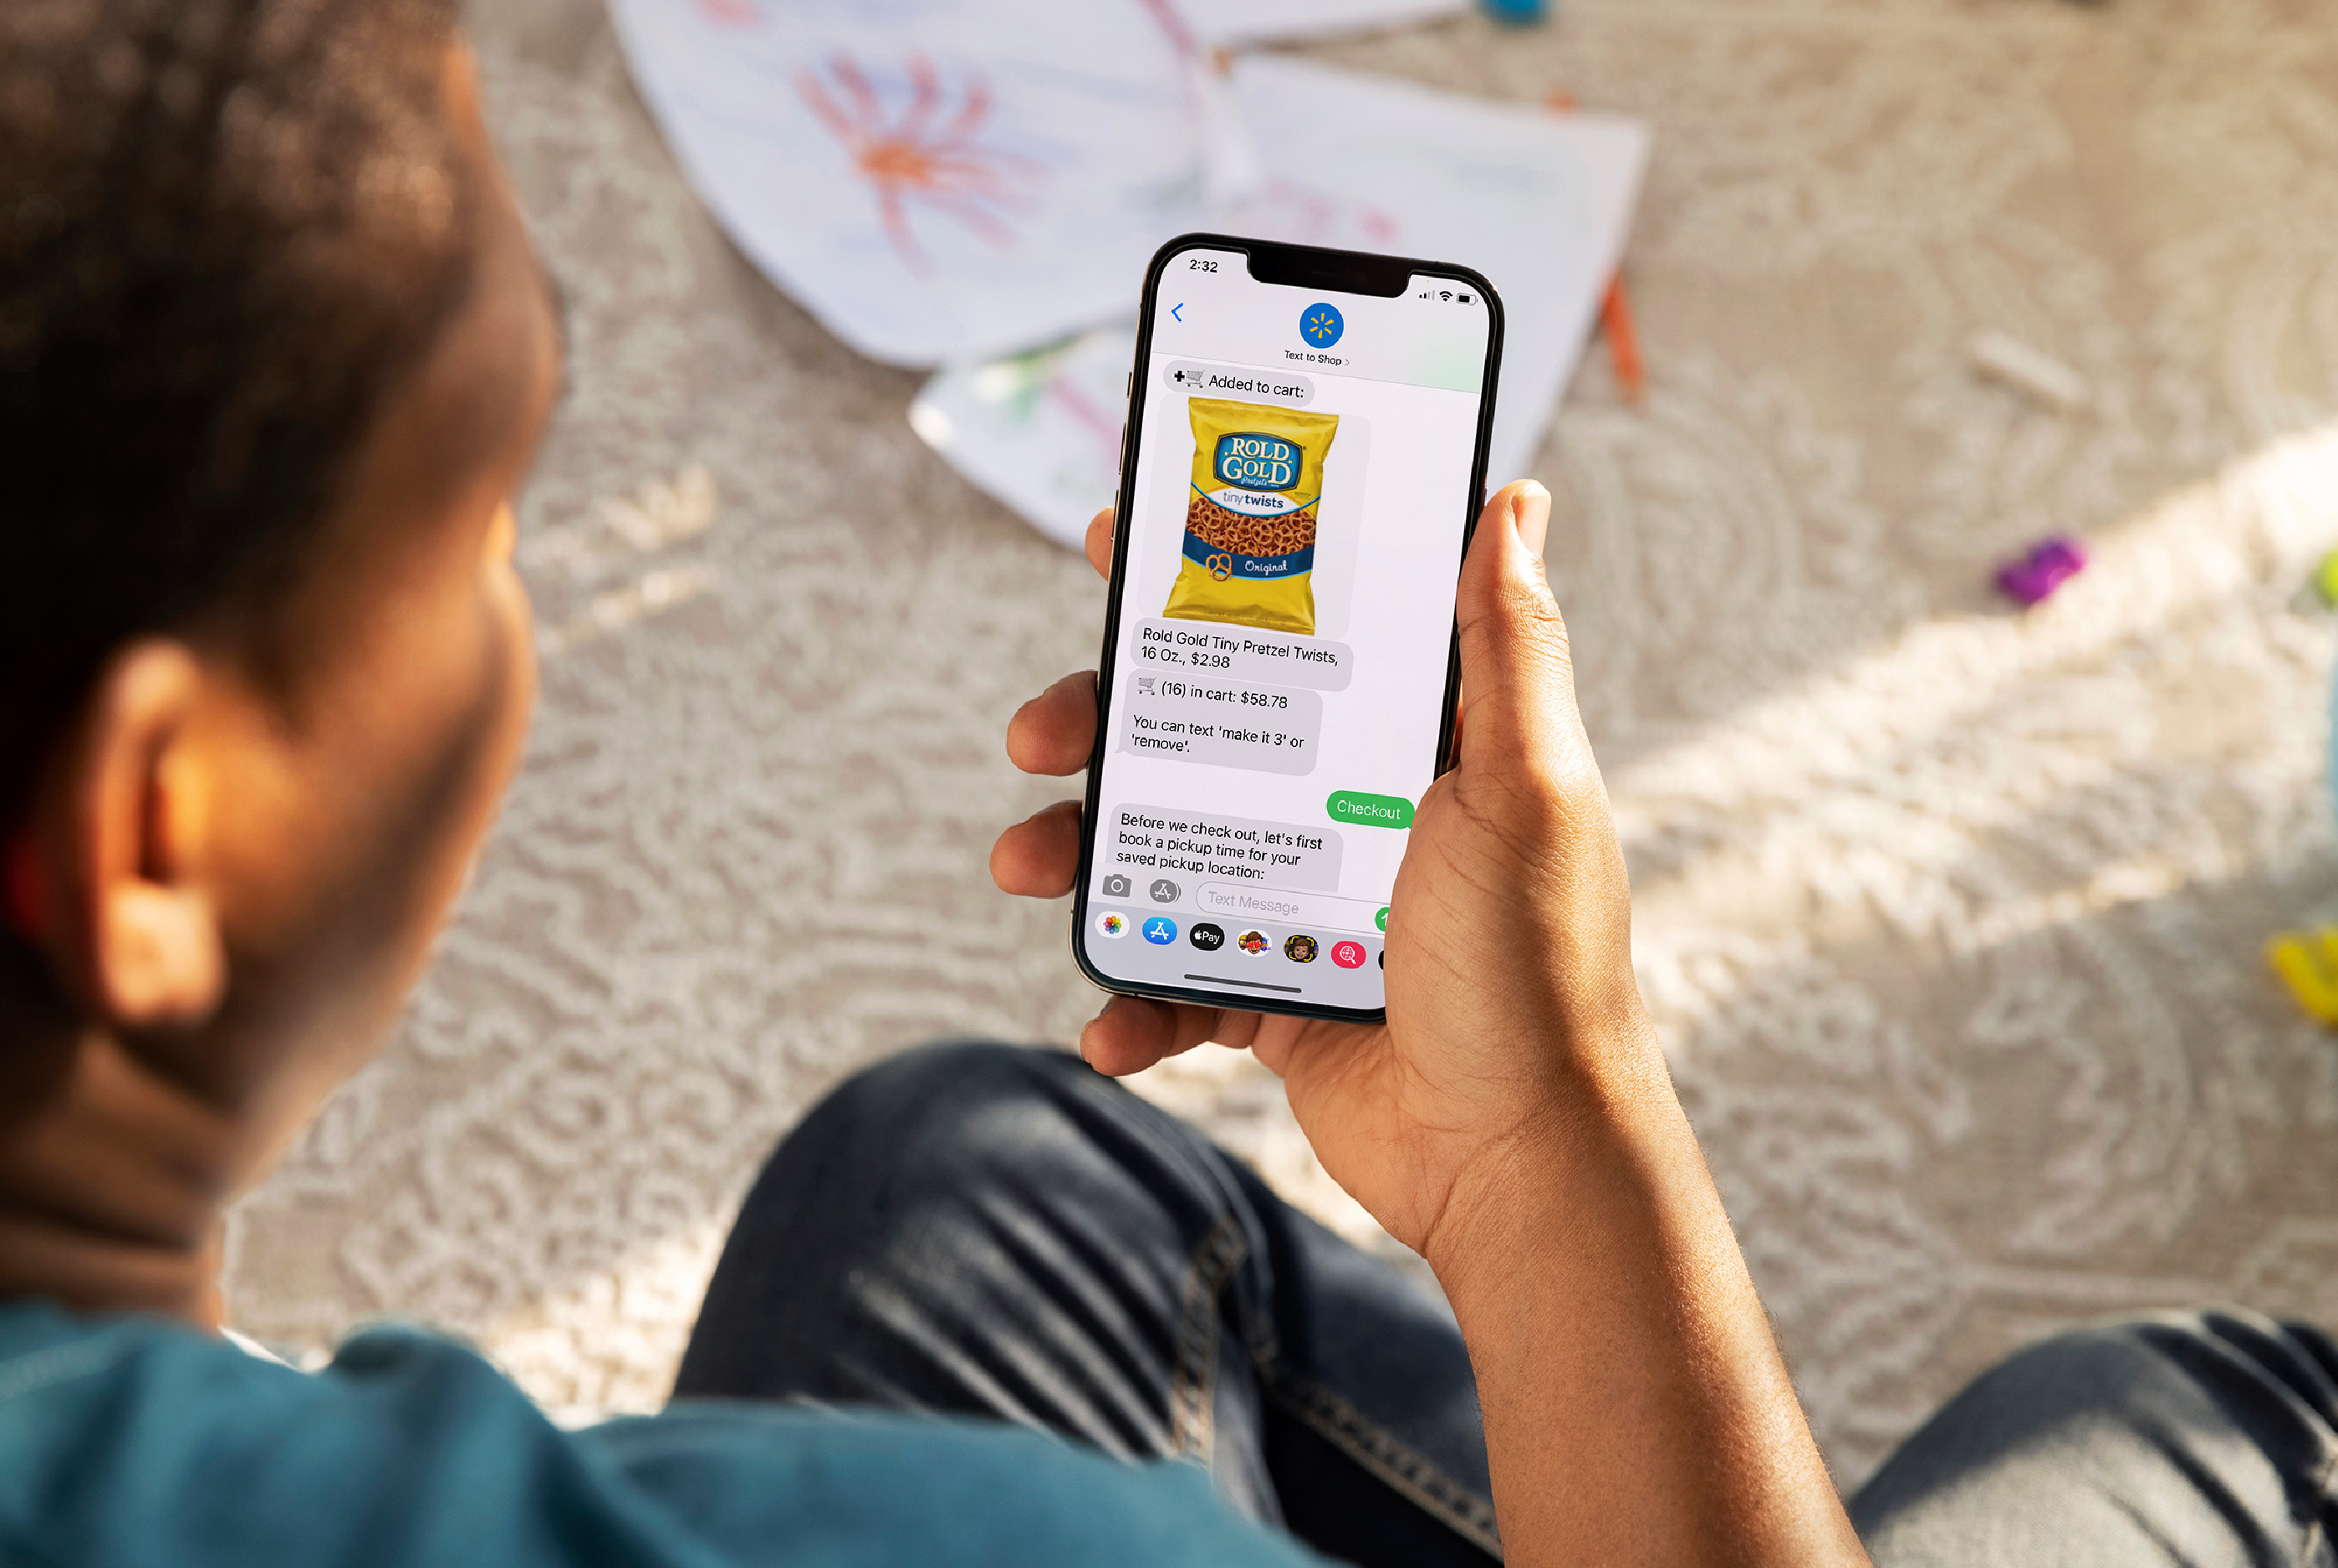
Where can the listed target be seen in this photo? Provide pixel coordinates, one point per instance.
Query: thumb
(1517, 676)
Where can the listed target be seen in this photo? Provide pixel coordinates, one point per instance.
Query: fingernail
(1530, 512)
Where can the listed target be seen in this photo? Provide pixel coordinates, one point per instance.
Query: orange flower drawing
(927, 155)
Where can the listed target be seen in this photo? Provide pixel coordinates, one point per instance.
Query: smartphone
(1304, 458)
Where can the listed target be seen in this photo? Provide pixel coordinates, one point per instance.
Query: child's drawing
(1040, 431)
(926, 152)
(931, 177)
(1538, 201)
(944, 179)
(1102, 427)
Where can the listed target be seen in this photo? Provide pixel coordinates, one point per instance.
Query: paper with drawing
(939, 178)
(930, 177)
(1540, 203)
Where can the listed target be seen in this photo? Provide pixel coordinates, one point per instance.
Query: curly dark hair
(227, 229)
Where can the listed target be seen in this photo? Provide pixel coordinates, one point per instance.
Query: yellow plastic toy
(2307, 963)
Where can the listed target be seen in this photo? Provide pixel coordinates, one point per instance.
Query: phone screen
(1278, 667)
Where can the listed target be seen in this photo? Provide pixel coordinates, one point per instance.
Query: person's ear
(105, 877)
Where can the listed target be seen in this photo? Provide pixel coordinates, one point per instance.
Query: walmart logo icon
(1320, 325)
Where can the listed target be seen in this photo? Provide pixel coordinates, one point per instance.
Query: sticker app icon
(1299, 949)
(1252, 942)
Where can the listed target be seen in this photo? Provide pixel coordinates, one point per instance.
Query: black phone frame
(1307, 266)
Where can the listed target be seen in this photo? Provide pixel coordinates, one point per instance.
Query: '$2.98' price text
(1201, 658)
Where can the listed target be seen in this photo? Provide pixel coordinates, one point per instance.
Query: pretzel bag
(1250, 517)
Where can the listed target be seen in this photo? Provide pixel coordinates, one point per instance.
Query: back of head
(275, 355)
(227, 227)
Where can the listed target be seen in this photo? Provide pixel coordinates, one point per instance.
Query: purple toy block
(2049, 564)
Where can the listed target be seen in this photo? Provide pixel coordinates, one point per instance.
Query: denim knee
(937, 1115)
(2217, 1421)
(906, 1087)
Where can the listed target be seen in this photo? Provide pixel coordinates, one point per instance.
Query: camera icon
(1115, 886)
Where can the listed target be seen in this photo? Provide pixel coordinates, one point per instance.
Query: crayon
(1615, 310)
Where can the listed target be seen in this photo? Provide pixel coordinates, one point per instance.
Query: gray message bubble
(1227, 724)
(1243, 653)
(1147, 839)
(1251, 382)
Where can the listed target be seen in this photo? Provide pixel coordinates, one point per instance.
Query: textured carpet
(1951, 916)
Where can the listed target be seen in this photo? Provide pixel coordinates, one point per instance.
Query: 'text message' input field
(1316, 911)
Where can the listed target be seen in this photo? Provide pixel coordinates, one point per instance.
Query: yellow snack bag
(1249, 519)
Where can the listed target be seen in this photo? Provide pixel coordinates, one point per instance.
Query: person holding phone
(275, 356)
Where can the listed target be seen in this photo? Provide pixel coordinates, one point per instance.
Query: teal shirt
(129, 1442)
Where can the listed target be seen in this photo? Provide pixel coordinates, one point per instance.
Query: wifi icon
(1444, 293)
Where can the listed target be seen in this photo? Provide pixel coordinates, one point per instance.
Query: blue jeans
(999, 1232)
(993, 1231)
(2200, 1438)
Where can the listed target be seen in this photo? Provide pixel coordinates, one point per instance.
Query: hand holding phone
(1513, 1120)
(1509, 932)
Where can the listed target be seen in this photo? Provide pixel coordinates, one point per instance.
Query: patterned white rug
(1951, 916)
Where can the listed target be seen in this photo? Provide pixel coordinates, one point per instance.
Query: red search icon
(1348, 955)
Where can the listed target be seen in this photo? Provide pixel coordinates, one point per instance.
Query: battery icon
(1463, 298)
